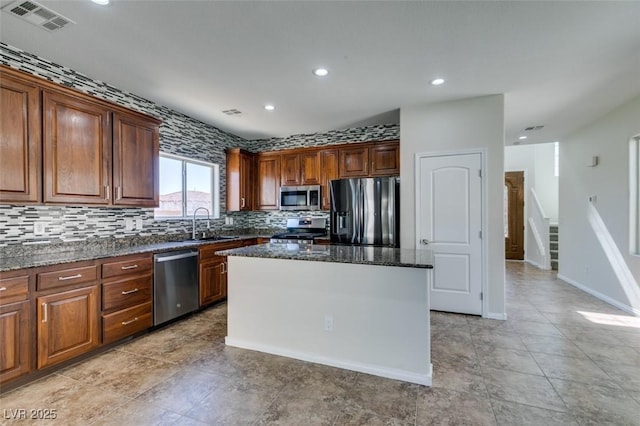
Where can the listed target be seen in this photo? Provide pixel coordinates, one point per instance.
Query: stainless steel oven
(305, 197)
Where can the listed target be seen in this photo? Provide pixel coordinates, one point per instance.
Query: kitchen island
(364, 309)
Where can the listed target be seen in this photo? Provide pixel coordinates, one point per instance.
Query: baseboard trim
(497, 316)
(390, 373)
(598, 295)
(537, 265)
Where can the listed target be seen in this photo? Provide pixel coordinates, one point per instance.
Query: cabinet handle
(224, 267)
(424, 241)
(70, 277)
(130, 291)
(124, 268)
(44, 312)
(129, 322)
(242, 200)
(3, 288)
(107, 191)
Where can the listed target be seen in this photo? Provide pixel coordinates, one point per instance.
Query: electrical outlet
(328, 322)
(39, 228)
(129, 225)
(139, 224)
(268, 220)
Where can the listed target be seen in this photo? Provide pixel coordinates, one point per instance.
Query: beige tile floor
(562, 358)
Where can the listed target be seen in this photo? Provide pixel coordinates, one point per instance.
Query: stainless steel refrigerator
(366, 211)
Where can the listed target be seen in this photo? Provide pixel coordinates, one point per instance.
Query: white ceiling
(560, 64)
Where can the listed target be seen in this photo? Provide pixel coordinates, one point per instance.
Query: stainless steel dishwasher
(175, 285)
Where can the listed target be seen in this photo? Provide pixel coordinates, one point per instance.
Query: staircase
(553, 246)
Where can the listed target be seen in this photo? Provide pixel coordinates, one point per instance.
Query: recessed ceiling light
(522, 138)
(437, 81)
(321, 72)
(101, 2)
(269, 107)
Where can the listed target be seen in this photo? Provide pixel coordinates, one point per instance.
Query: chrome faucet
(193, 235)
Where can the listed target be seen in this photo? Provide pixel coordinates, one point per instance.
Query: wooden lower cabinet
(15, 335)
(127, 296)
(213, 270)
(67, 324)
(213, 280)
(126, 322)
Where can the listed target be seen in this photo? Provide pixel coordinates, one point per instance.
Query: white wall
(546, 183)
(537, 162)
(607, 271)
(476, 123)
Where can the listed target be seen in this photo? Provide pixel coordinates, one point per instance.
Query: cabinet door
(290, 165)
(15, 335)
(268, 182)
(213, 280)
(67, 325)
(20, 140)
(246, 181)
(136, 153)
(328, 172)
(77, 150)
(239, 180)
(385, 159)
(310, 168)
(354, 162)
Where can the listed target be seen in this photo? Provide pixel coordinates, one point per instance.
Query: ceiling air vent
(232, 112)
(37, 14)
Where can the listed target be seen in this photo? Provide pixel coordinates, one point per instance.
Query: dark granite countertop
(56, 254)
(384, 256)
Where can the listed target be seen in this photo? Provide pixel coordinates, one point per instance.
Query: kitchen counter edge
(33, 261)
(365, 255)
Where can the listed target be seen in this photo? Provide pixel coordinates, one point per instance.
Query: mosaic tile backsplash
(179, 135)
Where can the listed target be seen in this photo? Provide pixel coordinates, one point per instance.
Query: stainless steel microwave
(305, 197)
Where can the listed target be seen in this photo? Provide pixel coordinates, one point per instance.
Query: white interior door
(449, 222)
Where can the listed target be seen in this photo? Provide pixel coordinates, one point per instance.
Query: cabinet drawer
(121, 294)
(127, 267)
(208, 251)
(14, 289)
(126, 322)
(65, 277)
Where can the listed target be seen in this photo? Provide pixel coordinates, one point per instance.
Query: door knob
(424, 241)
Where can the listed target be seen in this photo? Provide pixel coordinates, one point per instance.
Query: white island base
(368, 318)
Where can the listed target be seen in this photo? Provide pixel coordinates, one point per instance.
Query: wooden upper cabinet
(290, 168)
(328, 172)
(77, 150)
(240, 182)
(354, 162)
(370, 159)
(268, 167)
(310, 168)
(20, 139)
(385, 159)
(300, 168)
(136, 153)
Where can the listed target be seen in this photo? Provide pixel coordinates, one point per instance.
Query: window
(186, 185)
(634, 195)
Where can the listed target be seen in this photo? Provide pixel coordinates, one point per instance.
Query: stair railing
(539, 227)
